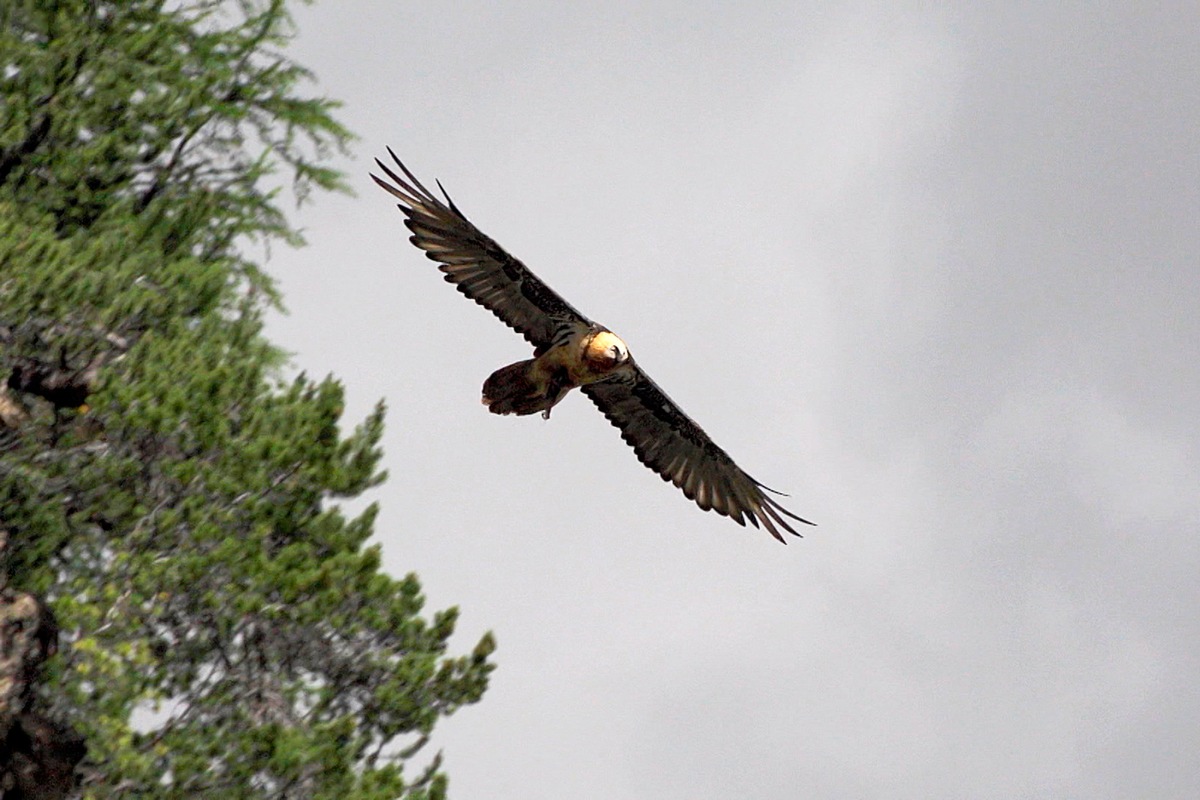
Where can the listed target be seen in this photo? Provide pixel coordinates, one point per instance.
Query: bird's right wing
(479, 267)
(669, 442)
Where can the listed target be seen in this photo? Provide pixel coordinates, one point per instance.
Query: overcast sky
(936, 275)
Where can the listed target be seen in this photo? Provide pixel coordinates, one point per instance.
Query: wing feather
(478, 267)
(667, 441)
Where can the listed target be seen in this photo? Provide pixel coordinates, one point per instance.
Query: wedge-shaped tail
(523, 388)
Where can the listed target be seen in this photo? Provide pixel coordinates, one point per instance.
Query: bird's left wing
(667, 441)
(479, 267)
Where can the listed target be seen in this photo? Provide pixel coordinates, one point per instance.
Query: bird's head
(605, 351)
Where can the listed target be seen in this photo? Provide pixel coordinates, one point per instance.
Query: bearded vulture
(569, 351)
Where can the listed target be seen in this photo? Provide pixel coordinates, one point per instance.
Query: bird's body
(571, 351)
(588, 354)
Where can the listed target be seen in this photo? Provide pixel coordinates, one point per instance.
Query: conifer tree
(166, 496)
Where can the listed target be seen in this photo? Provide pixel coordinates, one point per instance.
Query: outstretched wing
(667, 441)
(477, 265)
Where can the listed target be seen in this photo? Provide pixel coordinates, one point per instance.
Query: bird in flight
(572, 351)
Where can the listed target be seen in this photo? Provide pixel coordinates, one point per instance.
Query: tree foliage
(225, 629)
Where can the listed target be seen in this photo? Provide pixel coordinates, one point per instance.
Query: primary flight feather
(572, 351)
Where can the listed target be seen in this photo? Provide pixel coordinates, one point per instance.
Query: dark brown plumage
(570, 350)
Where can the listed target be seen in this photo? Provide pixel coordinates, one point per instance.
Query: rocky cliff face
(37, 755)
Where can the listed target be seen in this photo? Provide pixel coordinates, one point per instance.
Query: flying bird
(572, 351)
